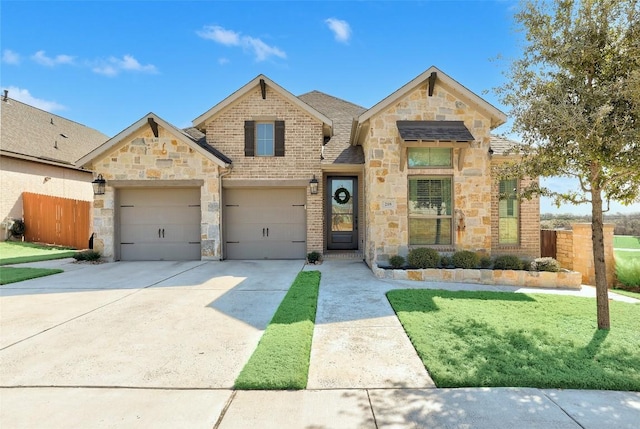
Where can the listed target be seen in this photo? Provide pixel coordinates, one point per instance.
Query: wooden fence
(548, 245)
(55, 220)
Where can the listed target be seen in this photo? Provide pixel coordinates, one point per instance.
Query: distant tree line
(625, 224)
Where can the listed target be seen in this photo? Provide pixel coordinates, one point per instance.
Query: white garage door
(265, 223)
(159, 224)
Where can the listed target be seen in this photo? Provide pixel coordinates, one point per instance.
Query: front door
(342, 213)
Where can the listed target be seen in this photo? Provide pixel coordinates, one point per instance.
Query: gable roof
(337, 150)
(200, 121)
(36, 135)
(497, 117)
(197, 144)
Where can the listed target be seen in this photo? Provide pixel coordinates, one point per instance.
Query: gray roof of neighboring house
(434, 130)
(338, 150)
(500, 145)
(36, 135)
(201, 139)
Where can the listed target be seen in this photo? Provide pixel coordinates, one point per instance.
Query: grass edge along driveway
(18, 274)
(281, 360)
(504, 339)
(18, 252)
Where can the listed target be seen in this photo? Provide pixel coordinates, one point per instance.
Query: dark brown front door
(342, 213)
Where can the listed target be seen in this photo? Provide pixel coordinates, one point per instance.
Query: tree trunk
(597, 237)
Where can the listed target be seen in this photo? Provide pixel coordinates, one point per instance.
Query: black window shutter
(279, 138)
(249, 138)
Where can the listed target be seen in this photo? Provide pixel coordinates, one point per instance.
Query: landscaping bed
(505, 339)
(464, 266)
(561, 279)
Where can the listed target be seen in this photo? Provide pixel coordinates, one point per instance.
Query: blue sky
(105, 64)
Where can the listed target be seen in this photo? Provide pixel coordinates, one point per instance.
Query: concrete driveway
(159, 344)
(139, 324)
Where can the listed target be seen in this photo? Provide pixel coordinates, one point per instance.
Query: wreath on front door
(342, 195)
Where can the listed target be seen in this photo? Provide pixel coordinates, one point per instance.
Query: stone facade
(301, 160)
(143, 160)
(386, 180)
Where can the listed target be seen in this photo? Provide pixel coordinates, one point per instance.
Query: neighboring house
(414, 170)
(37, 154)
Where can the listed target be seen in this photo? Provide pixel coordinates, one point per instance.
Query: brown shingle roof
(500, 145)
(31, 133)
(338, 150)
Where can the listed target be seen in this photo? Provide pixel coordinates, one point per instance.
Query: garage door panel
(265, 223)
(160, 224)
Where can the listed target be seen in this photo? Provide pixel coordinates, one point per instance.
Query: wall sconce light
(313, 185)
(98, 185)
(490, 152)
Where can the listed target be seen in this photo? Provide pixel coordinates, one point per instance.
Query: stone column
(583, 253)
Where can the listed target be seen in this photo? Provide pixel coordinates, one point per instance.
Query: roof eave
(111, 143)
(497, 116)
(200, 121)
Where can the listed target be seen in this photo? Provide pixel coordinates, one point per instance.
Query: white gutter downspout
(220, 210)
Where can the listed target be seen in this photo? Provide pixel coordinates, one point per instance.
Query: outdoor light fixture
(313, 185)
(98, 185)
(490, 152)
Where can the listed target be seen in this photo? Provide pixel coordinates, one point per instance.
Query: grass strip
(628, 293)
(16, 252)
(501, 339)
(16, 274)
(281, 360)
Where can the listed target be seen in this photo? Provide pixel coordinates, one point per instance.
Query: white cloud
(41, 58)
(10, 57)
(256, 46)
(222, 61)
(261, 50)
(25, 96)
(341, 29)
(113, 66)
(220, 35)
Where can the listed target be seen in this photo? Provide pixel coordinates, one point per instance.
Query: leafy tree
(574, 95)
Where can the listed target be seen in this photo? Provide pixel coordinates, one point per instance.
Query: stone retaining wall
(543, 279)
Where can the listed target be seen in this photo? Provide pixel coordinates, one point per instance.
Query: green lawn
(626, 242)
(14, 274)
(281, 360)
(477, 339)
(16, 252)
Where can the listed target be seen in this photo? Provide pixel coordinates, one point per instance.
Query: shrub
(465, 259)
(18, 228)
(87, 255)
(423, 257)
(507, 262)
(485, 262)
(545, 264)
(313, 257)
(396, 261)
(445, 261)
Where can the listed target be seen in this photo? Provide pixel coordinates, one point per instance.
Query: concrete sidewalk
(58, 408)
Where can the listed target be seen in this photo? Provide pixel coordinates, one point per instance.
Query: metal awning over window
(450, 131)
(453, 134)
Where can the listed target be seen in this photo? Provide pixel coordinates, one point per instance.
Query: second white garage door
(159, 224)
(265, 223)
